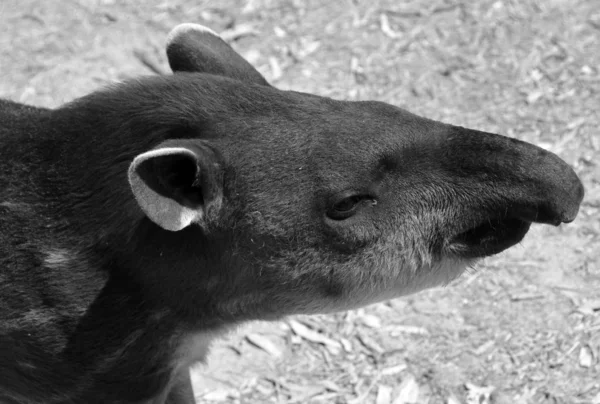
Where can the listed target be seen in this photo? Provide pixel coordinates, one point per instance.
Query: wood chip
(239, 31)
(574, 124)
(384, 394)
(264, 343)
(150, 61)
(346, 344)
(479, 395)
(595, 143)
(408, 392)
(371, 321)
(386, 29)
(307, 48)
(276, 70)
(304, 393)
(526, 296)
(325, 397)
(279, 32)
(589, 307)
(370, 343)
(331, 386)
(264, 390)
(483, 348)
(220, 395)
(408, 329)
(393, 370)
(534, 96)
(303, 331)
(586, 357)
(452, 400)
(363, 396)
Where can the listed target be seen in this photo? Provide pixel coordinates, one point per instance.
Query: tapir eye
(345, 207)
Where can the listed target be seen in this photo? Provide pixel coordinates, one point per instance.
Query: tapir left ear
(196, 48)
(178, 183)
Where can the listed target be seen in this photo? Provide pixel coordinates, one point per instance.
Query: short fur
(100, 304)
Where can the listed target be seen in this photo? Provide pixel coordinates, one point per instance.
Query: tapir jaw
(516, 184)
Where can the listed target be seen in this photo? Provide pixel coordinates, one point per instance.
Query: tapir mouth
(489, 237)
(495, 233)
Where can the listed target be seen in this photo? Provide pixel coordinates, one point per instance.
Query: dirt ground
(525, 326)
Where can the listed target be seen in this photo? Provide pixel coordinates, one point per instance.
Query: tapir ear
(178, 183)
(195, 48)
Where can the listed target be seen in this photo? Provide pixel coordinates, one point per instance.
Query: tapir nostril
(568, 192)
(579, 195)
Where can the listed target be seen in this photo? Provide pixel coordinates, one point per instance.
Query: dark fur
(98, 304)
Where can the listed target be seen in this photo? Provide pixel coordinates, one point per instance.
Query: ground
(522, 328)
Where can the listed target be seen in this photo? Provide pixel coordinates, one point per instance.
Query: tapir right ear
(178, 183)
(196, 48)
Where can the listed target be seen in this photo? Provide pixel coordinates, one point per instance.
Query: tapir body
(141, 221)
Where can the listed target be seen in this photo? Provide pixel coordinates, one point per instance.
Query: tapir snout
(540, 186)
(500, 185)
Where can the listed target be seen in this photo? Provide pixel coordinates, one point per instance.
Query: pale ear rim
(186, 27)
(163, 151)
(168, 219)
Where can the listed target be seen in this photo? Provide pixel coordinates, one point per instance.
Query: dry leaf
(384, 394)
(408, 392)
(479, 395)
(586, 357)
(262, 342)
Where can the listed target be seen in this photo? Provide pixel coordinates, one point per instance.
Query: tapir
(143, 220)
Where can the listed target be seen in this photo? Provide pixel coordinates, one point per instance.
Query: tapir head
(265, 202)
